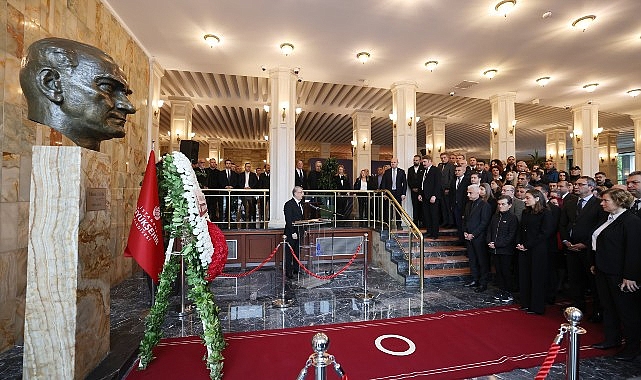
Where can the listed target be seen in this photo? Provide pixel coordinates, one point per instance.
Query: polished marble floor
(246, 304)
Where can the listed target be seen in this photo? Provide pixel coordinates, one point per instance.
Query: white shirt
(611, 218)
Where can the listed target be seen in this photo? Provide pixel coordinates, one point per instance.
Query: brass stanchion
(573, 316)
(365, 296)
(283, 302)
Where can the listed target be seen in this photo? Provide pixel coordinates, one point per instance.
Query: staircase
(444, 260)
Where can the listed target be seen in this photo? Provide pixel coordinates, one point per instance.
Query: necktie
(635, 205)
(581, 200)
(300, 205)
(228, 175)
(393, 179)
(458, 182)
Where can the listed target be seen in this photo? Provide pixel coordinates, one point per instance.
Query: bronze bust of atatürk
(76, 89)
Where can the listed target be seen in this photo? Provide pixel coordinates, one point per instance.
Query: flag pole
(153, 284)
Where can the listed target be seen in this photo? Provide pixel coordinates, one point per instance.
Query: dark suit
(250, 180)
(458, 199)
(447, 174)
(476, 218)
(343, 204)
(400, 188)
(362, 197)
(577, 227)
(414, 178)
(214, 200)
(226, 180)
(535, 232)
(618, 257)
(300, 179)
(263, 183)
(431, 187)
(293, 212)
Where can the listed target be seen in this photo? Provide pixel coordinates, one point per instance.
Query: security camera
(262, 67)
(589, 102)
(296, 70)
(567, 107)
(300, 80)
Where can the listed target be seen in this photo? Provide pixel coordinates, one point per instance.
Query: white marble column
(282, 142)
(435, 136)
(153, 134)
(362, 135)
(586, 146)
(503, 126)
(636, 118)
(555, 146)
(608, 152)
(181, 109)
(66, 330)
(404, 129)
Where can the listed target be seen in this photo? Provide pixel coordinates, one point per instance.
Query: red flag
(145, 242)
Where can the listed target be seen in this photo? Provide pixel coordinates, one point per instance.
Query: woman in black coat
(618, 273)
(501, 237)
(537, 227)
(363, 182)
(343, 203)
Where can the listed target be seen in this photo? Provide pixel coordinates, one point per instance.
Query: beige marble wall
(21, 23)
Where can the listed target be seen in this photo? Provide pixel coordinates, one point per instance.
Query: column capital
(362, 112)
(585, 106)
(636, 117)
(181, 99)
(404, 84)
(506, 96)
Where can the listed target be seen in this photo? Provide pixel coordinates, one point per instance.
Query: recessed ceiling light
(491, 73)
(583, 22)
(504, 7)
(634, 92)
(547, 14)
(363, 57)
(431, 65)
(543, 81)
(286, 48)
(590, 87)
(211, 39)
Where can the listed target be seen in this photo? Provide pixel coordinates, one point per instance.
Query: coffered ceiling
(229, 86)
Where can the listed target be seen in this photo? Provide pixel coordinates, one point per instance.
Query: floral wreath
(204, 250)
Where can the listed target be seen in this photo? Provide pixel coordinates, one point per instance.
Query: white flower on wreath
(198, 222)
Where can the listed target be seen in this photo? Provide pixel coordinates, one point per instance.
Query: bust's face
(95, 97)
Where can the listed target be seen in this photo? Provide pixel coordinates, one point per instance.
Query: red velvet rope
(547, 363)
(332, 276)
(239, 275)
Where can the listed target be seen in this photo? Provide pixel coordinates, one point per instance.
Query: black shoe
(480, 289)
(471, 284)
(596, 317)
(626, 356)
(605, 345)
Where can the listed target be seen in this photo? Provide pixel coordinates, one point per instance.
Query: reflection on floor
(246, 305)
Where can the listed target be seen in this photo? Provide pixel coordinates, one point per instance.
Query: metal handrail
(413, 231)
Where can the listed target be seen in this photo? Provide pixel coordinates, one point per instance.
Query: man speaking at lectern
(293, 212)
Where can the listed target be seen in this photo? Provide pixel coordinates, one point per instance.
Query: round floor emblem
(410, 350)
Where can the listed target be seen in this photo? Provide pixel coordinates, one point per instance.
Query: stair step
(455, 272)
(443, 250)
(443, 262)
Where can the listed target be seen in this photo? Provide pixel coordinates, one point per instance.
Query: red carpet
(448, 346)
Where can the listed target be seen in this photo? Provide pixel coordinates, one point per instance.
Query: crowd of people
(546, 232)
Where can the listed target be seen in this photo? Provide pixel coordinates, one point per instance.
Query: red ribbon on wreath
(219, 258)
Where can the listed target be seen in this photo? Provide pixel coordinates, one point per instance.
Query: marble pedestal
(66, 330)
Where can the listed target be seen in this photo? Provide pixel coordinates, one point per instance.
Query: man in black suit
(447, 174)
(263, 183)
(414, 178)
(476, 218)
(248, 180)
(458, 198)
(395, 181)
(293, 210)
(227, 180)
(577, 223)
(634, 187)
(214, 201)
(431, 192)
(300, 175)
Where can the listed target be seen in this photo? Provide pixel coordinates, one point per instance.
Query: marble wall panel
(24, 179)
(8, 226)
(10, 176)
(15, 32)
(13, 269)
